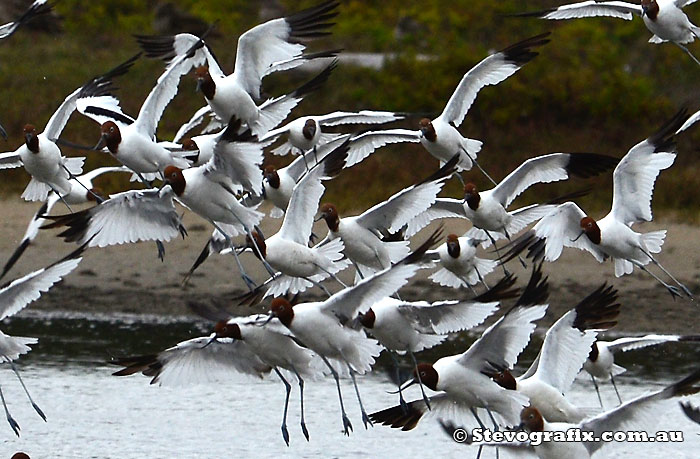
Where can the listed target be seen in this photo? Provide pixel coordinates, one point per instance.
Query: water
(92, 414)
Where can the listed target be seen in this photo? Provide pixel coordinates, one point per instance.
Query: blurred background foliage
(597, 87)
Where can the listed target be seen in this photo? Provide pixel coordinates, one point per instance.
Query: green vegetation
(598, 86)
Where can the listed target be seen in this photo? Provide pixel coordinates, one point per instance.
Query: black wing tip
(15, 256)
(692, 412)
(335, 161)
(306, 23)
(397, 417)
(418, 254)
(663, 139)
(521, 52)
(561, 199)
(157, 46)
(530, 14)
(599, 310)
(537, 290)
(686, 386)
(503, 290)
(587, 165)
(317, 81)
(446, 171)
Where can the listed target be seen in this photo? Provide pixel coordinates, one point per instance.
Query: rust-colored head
(329, 213)
(504, 379)
(453, 248)
(189, 144)
(650, 8)
(427, 129)
(272, 177)
(223, 329)
(30, 138)
(367, 319)
(471, 195)
(205, 82)
(428, 375)
(173, 177)
(309, 129)
(283, 310)
(590, 227)
(531, 419)
(259, 242)
(110, 136)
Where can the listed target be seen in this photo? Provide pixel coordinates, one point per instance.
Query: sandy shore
(130, 278)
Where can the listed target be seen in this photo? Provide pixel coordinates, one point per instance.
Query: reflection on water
(92, 414)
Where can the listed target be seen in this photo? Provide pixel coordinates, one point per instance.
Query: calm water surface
(92, 414)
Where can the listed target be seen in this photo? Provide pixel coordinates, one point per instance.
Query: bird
(487, 209)
(40, 154)
(77, 195)
(14, 297)
(276, 351)
(324, 326)
(601, 359)
(305, 133)
(629, 416)
(562, 355)
(362, 234)
(269, 47)
(277, 186)
(37, 8)
(440, 135)
(140, 215)
(407, 327)
(294, 265)
(132, 141)
(460, 267)
(567, 225)
(665, 19)
(463, 380)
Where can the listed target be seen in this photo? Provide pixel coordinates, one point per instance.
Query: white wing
(448, 316)
(549, 168)
(299, 217)
(161, 95)
(104, 108)
(568, 342)
(392, 214)
(277, 40)
(363, 145)
(502, 342)
(346, 303)
(442, 208)
(298, 168)
(131, 216)
(632, 343)
(634, 177)
(195, 121)
(201, 360)
(361, 117)
(20, 292)
(639, 413)
(238, 160)
(10, 160)
(87, 178)
(490, 71)
(683, 3)
(591, 8)
(561, 228)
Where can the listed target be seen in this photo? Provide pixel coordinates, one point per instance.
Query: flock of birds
(219, 175)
